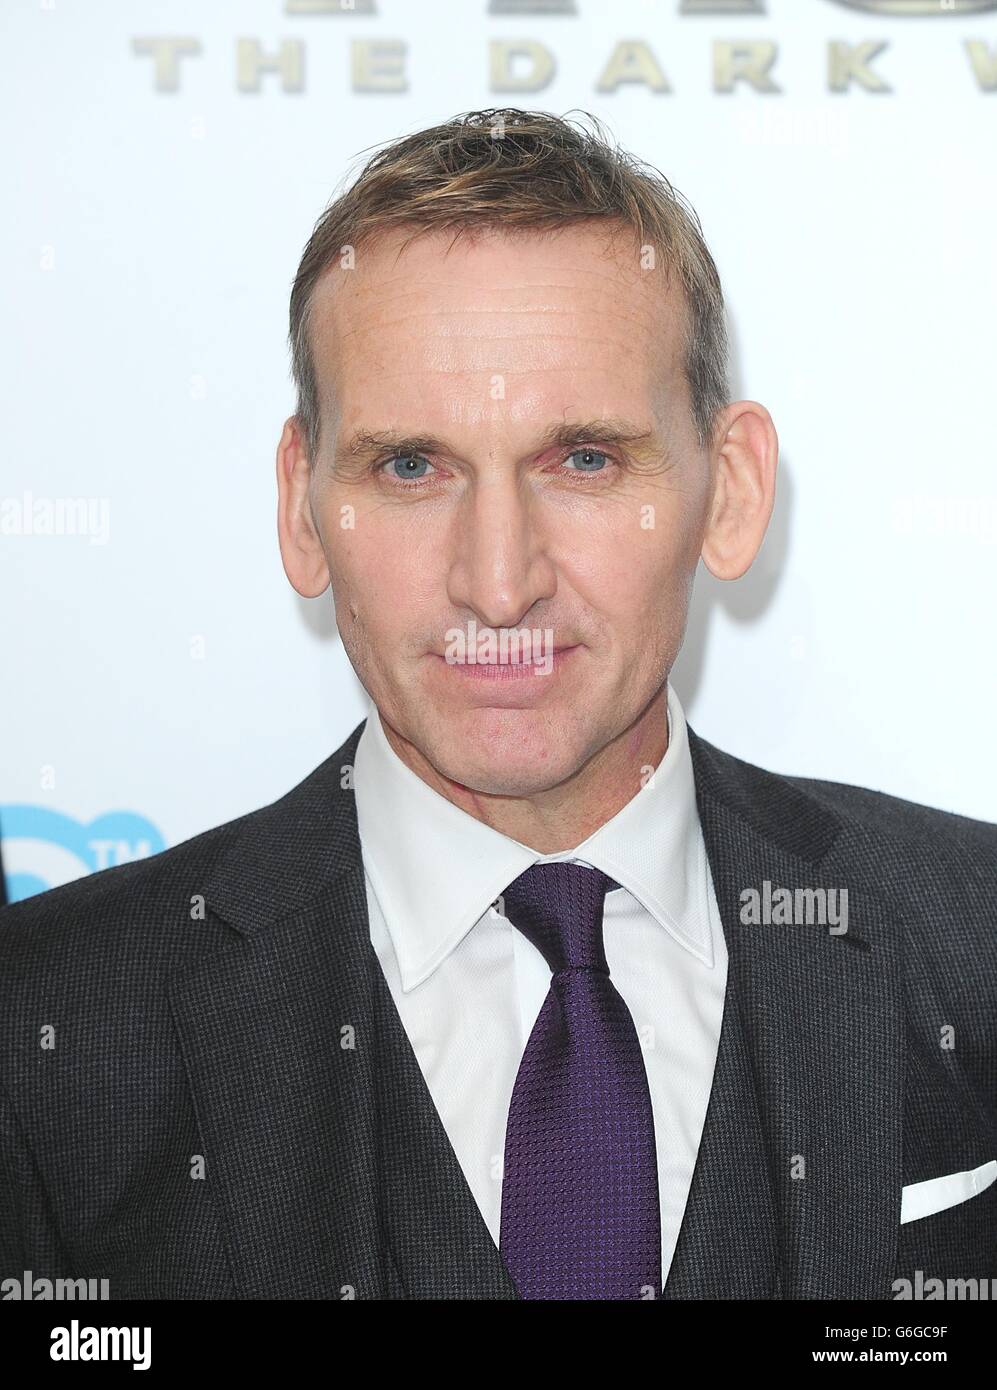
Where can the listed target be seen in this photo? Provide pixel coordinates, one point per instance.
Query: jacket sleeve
(28, 1237)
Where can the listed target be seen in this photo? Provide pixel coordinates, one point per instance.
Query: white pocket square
(925, 1198)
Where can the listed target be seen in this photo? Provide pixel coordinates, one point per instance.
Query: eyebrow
(366, 444)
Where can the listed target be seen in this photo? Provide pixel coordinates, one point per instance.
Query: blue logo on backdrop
(43, 848)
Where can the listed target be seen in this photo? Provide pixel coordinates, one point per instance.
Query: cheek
(356, 553)
(381, 585)
(354, 581)
(633, 577)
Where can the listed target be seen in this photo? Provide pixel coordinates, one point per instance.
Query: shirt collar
(435, 869)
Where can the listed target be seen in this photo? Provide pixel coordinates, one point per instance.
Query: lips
(510, 671)
(516, 660)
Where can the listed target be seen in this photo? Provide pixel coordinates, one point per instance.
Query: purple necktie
(580, 1214)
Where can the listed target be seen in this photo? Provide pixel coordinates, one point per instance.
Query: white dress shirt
(468, 986)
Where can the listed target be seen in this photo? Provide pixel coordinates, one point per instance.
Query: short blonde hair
(506, 168)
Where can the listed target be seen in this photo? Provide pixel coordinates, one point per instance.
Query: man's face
(484, 354)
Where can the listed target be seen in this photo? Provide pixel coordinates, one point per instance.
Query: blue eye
(594, 461)
(407, 465)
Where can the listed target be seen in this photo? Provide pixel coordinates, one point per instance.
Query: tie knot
(559, 908)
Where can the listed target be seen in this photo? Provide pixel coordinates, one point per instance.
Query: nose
(500, 566)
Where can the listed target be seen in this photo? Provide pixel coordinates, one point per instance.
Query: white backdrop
(160, 674)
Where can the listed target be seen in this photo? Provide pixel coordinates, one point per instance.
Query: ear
(300, 543)
(745, 455)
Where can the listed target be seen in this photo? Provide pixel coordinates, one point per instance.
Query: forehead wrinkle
(521, 281)
(647, 302)
(506, 302)
(454, 286)
(650, 372)
(597, 253)
(547, 310)
(629, 324)
(495, 339)
(531, 373)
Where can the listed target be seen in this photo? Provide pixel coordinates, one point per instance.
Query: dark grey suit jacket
(261, 1036)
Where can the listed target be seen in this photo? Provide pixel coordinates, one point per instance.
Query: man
(528, 990)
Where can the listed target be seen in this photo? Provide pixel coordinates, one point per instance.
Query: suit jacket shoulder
(851, 806)
(146, 900)
(936, 870)
(907, 822)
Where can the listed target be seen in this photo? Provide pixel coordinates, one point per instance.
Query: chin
(507, 752)
(502, 779)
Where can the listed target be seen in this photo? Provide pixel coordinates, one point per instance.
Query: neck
(559, 818)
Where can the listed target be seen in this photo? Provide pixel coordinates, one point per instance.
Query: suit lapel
(331, 1170)
(823, 1030)
(727, 1244)
(277, 1038)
